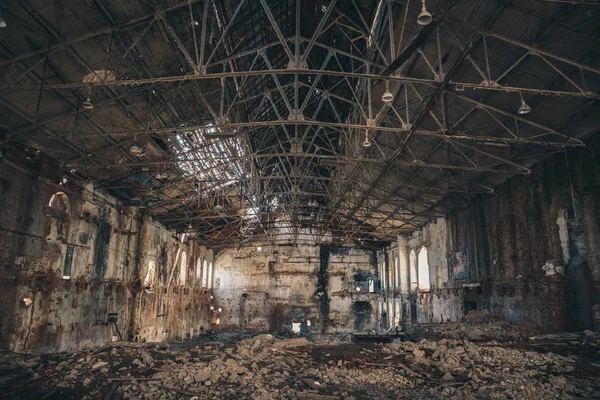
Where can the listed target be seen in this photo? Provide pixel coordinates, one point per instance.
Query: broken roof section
(210, 157)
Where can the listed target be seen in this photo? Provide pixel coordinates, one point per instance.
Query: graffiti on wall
(458, 267)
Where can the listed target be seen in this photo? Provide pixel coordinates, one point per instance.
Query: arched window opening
(57, 223)
(199, 271)
(204, 273)
(58, 206)
(210, 275)
(183, 269)
(396, 271)
(413, 270)
(423, 265)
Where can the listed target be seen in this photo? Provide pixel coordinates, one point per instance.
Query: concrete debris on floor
(498, 330)
(555, 366)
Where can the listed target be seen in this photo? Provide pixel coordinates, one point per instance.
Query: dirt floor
(319, 367)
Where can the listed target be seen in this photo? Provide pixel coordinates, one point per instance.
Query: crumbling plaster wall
(171, 307)
(42, 310)
(270, 289)
(532, 246)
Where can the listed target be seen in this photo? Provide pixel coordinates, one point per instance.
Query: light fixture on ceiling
(524, 108)
(258, 248)
(424, 17)
(2, 22)
(87, 104)
(367, 142)
(387, 97)
(135, 149)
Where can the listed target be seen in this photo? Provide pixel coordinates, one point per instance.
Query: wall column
(405, 279)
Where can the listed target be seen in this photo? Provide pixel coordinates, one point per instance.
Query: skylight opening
(213, 164)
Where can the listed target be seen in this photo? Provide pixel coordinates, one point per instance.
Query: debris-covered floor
(557, 366)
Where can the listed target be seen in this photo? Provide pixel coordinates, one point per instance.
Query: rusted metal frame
(193, 28)
(554, 67)
(274, 76)
(42, 81)
(349, 55)
(578, 27)
(131, 48)
(430, 112)
(464, 117)
(353, 45)
(486, 188)
(132, 23)
(280, 158)
(257, 124)
(370, 210)
(314, 137)
(328, 93)
(318, 31)
(383, 111)
(524, 170)
(410, 221)
(133, 44)
(405, 182)
(240, 55)
(179, 44)
(225, 31)
(354, 94)
(487, 59)
(403, 26)
(436, 76)
(500, 123)
(533, 49)
(518, 118)
(53, 32)
(345, 74)
(390, 16)
(404, 55)
(276, 29)
(369, 32)
(416, 163)
(260, 105)
(403, 123)
(203, 40)
(462, 153)
(314, 84)
(511, 67)
(208, 214)
(422, 214)
(420, 118)
(222, 97)
(199, 95)
(486, 78)
(29, 118)
(238, 93)
(28, 70)
(113, 145)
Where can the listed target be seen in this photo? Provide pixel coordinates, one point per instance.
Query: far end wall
(268, 290)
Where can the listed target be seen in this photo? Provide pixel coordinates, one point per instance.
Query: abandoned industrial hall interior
(299, 199)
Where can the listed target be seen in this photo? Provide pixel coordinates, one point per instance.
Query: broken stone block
(99, 364)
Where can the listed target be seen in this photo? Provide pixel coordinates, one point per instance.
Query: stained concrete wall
(532, 248)
(268, 290)
(102, 298)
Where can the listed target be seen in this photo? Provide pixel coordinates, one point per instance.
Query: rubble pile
(477, 330)
(264, 367)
